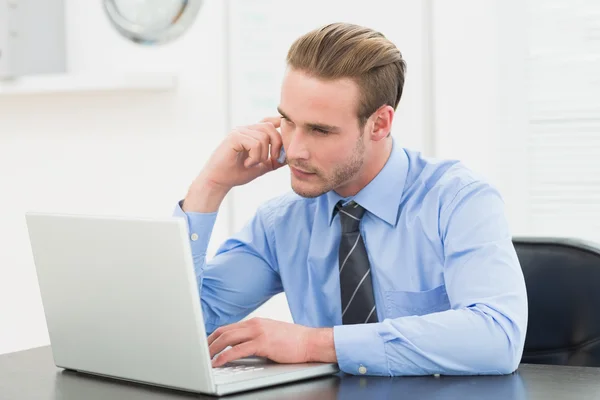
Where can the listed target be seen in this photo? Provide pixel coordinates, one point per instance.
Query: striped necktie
(358, 301)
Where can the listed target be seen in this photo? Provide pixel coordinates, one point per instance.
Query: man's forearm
(474, 340)
(321, 347)
(204, 196)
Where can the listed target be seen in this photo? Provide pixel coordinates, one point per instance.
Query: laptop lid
(121, 298)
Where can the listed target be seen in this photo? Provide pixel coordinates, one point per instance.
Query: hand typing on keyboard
(278, 341)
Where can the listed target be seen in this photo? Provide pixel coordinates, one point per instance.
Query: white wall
(114, 153)
(480, 94)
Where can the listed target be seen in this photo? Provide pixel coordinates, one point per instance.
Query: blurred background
(510, 87)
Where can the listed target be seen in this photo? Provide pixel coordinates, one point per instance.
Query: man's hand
(247, 153)
(279, 341)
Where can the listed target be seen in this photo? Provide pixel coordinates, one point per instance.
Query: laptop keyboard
(229, 370)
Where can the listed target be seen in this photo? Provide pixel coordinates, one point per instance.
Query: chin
(308, 191)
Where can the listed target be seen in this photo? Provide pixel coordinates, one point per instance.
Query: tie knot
(350, 216)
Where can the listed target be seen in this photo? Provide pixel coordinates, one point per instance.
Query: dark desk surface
(31, 374)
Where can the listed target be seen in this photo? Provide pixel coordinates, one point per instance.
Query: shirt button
(194, 236)
(362, 370)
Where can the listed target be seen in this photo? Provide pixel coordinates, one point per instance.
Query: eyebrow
(312, 125)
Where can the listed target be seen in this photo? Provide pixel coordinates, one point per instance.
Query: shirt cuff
(360, 350)
(200, 226)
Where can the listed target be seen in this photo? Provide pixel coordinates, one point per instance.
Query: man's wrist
(321, 347)
(204, 196)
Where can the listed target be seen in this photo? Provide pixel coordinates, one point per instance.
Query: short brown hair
(342, 50)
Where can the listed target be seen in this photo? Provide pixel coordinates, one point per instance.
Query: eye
(321, 131)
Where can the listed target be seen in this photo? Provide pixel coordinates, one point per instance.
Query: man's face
(321, 136)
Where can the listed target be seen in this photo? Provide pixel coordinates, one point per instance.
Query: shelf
(81, 83)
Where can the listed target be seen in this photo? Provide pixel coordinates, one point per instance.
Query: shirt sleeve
(240, 277)
(483, 332)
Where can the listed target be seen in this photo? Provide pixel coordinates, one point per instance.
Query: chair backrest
(563, 289)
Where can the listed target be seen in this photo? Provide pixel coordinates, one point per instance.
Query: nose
(297, 147)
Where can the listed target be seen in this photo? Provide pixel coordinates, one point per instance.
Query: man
(392, 264)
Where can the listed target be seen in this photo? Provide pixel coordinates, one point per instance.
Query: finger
(274, 137)
(235, 353)
(216, 333)
(262, 137)
(230, 338)
(245, 143)
(276, 121)
(221, 330)
(226, 328)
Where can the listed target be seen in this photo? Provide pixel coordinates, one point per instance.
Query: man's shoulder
(442, 178)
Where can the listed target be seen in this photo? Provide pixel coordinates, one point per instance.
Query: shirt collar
(383, 194)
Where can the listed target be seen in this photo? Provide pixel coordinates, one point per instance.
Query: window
(564, 118)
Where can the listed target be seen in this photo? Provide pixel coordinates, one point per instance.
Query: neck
(369, 171)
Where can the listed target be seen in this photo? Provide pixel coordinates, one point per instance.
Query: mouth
(301, 174)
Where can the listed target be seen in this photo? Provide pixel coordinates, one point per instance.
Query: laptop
(121, 300)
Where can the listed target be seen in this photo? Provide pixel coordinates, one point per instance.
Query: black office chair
(563, 289)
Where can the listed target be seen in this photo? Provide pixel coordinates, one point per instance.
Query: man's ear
(382, 122)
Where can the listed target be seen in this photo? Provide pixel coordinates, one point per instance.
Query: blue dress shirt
(448, 286)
